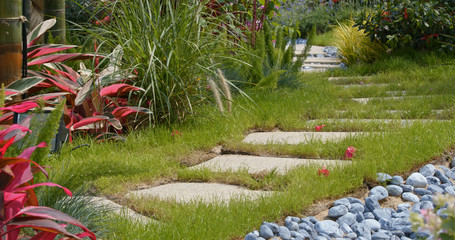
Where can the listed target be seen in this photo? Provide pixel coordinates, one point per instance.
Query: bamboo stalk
(56, 9)
(10, 40)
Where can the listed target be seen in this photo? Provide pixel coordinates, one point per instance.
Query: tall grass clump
(354, 46)
(173, 47)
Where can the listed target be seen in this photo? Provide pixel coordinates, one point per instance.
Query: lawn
(153, 156)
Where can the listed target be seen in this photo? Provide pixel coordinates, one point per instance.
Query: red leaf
(9, 92)
(7, 118)
(116, 90)
(40, 224)
(67, 191)
(48, 49)
(4, 145)
(125, 111)
(318, 128)
(27, 153)
(12, 131)
(61, 57)
(14, 160)
(87, 121)
(21, 108)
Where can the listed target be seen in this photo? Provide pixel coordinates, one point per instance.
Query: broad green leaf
(24, 84)
(40, 30)
(84, 92)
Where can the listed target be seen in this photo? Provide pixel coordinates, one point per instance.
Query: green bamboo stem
(56, 9)
(10, 40)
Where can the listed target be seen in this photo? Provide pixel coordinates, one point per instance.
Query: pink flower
(349, 153)
(318, 128)
(323, 171)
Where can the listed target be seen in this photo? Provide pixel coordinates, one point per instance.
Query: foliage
(440, 222)
(175, 51)
(273, 60)
(303, 14)
(95, 100)
(19, 206)
(354, 46)
(411, 23)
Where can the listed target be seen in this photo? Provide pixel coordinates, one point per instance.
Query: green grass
(325, 39)
(151, 156)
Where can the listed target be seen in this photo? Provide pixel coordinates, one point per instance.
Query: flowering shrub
(411, 23)
(440, 222)
(323, 172)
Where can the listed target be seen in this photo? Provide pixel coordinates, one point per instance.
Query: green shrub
(411, 23)
(354, 46)
(172, 48)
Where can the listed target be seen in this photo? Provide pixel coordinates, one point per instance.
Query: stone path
(295, 137)
(320, 59)
(366, 100)
(195, 192)
(257, 164)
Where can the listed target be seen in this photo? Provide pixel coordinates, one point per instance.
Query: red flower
(323, 171)
(405, 13)
(176, 133)
(318, 128)
(349, 153)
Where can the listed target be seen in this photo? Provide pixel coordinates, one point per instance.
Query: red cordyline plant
(19, 205)
(95, 101)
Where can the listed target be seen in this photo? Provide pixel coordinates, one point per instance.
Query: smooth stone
(251, 236)
(407, 188)
(309, 229)
(337, 211)
(313, 219)
(256, 232)
(395, 237)
(394, 190)
(265, 232)
(381, 214)
(416, 207)
(397, 233)
(293, 226)
(442, 213)
(405, 238)
(442, 177)
(328, 227)
(397, 180)
(355, 200)
(372, 204)
(372, 224)
(304, 233)
(403, 206)
(295, 219)
(345, 228)
(386, 232)
(386, 224)
(362, 230)
(368, 215)
(390, 211)
(348, 218)
(448, 172)
(452, 164)
(450, 190)
(351, 235)
(433, 180)
(343, 201)
(261, 238)
(383, 177)
(434, 189)
(422, 191)
(379, 192)
(401, 222)
(379, 236)
(357, 208)
(296, 235)
(359, 217)
(417, 180)
(403, 214)
(426, 198)
(284, 233)
(307, 221)
(421, 235)
(426, 205)
(320, 238)
(411, 197)
(427, 170)
(273, 226)
(444, 185)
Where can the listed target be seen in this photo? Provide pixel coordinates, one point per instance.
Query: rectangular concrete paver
(295, 137)
(366, 100)
(194, 192)
(403, 122)
(258, 164)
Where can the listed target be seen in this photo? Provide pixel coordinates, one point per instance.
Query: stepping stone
(366, 100)
(396, 93)
(403, 122)
(257, 164)
(193, 192)
(348, 78)
(321, 65)
(395, 111)
(317, 70)
(366, 85)
(119, 209)
(295, 137)
(314, 50)
(326, 60)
